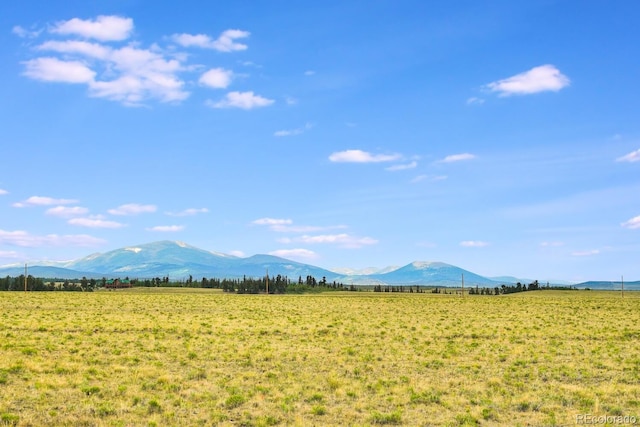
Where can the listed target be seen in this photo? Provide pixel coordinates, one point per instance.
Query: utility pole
(622, 286)
(462, 285)
(267, 281)
(25, 277)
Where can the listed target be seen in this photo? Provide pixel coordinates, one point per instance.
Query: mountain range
(178, 261)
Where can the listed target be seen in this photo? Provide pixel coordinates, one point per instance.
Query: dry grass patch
(201, 357)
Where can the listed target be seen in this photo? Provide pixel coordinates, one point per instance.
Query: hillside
(612, 286)
(178, 261)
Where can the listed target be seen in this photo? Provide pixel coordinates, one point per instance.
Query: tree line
(518, 287)
(410, 289)
(275, 284)
(278, 284)
(247, 285)
(39, 284)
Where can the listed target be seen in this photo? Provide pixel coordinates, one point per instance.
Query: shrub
(89, 390)
(154, 406)
(318, 410)
(234, 401)
(9, 419)
(394, 417)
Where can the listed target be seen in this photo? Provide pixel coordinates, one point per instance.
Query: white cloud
(245, 100)
(19, 238)
(132, 209)
(325, 238)
(128, 74)
(402, 167)
(632, 157)
(286, 226)
(24, 33)
(457, 158)
(166, 228)
(224, 43)
(139, 73)
(25, 239)
(551, 244)
(142, 74)
(189, 212)
(3, 192)
(189, 40)
(475, 101)
(342, 239)
(237, 253)
(9, 255)
(91, 50)
(94, 223)
(538, 79)
(586, 253)
(633, 223)
(217, 78)
(133, 90)
(104, 28)
(67, 211)
(131, 74)
(359, 156)
(473, 244)
(292, 132)
(294, 253)
(43, 201)
(54, 70)
(309, 73)
(290, 100)
(272, 221)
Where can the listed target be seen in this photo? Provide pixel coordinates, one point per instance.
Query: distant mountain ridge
(164, 258)
(432, 273)
(365, 271)
(611, 286)
(178, 261)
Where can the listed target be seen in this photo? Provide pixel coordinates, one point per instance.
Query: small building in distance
(117, 284)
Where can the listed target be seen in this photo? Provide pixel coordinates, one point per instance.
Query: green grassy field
(199, 357)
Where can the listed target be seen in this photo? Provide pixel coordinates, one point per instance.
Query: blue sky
(500, 136)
